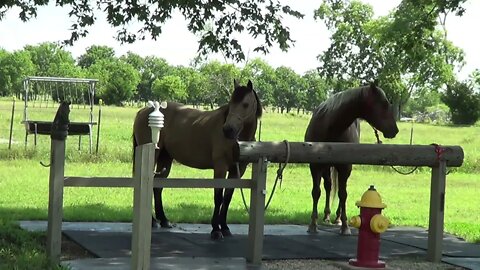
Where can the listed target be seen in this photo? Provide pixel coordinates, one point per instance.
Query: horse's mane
(335, 101)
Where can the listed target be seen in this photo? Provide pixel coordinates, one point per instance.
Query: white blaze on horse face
(238, 113)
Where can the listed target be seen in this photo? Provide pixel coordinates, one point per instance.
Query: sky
(178, 46)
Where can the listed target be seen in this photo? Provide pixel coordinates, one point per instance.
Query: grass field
(24, 182)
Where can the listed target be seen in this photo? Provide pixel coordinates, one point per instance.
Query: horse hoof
(166, 224)
(312, 229)
(327, 221)
(226, 233)
(345, 231)
(338, 222)
(216, 235)
(155, 224)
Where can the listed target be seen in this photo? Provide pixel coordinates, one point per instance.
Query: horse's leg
(316, 172)
(164, 164)
(334, 177)
(227, 198)
(219, 172)
(344, 172)
(338, 213)
(327, 184)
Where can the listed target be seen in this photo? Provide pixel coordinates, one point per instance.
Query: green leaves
(96, 53)
(404, 50)
(463, 101)
(260, 19)
(170, 87)
(118, 80)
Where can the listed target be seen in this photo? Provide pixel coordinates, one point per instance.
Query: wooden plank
(437, 209)
(74, 181)
(142, 206)
(257, 212)
(202, 183)
(55, 201)
(349, 153)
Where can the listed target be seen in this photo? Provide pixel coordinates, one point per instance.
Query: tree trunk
(396, 110)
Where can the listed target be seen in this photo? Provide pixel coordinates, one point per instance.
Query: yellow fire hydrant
(370, 223)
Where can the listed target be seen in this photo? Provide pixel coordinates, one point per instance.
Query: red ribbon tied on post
(439, 150)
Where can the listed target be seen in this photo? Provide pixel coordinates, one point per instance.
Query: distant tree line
(407, 50)
(131, 77)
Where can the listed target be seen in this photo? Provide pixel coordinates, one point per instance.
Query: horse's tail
(334, 189)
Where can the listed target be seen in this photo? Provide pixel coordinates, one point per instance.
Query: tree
(51, 60)
(463, 101)
(170, 87)
(135, 60)
(288, 91)
(263, 78)
(153, 68)
(316, 90)
(14, 67)
(364, 49)
(195, 82)
(117, 80)
(96, 53)
(263, 20)
(220, 81)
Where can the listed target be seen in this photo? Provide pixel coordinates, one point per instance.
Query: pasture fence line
(258, 153)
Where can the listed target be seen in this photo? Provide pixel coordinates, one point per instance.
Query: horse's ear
(235, 83)
(250, 85)
(374, 84)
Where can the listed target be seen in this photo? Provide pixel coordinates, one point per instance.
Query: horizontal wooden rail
(157, 182)
(352, 153)
(74, 181)
(203, 183)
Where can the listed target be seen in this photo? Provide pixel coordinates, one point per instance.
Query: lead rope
(281, 167)
(395, 169)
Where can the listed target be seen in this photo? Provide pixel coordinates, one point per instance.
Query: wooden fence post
(257, 212)
(142, 206)
(437, 209)
(55, 201)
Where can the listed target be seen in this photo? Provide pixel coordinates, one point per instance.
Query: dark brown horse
(203, 140)
(336, 120)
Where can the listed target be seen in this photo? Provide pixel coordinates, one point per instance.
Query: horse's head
(378, 111)
(244, 108)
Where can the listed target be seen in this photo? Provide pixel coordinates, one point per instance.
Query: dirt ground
(72, 251)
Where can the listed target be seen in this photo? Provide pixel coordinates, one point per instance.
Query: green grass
(116, 135)
(24, 182)
(20, 249)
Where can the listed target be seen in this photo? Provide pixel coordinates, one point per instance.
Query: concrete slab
(467, 263)
(165, 263)
(241, 229)
(170, 244)
(290, 241)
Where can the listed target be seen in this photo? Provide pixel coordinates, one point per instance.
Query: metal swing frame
(42, 127)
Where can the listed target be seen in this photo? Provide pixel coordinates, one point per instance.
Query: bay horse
(203, 140)
(336, 120)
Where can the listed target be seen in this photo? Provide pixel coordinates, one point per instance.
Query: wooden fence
(258, 153)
